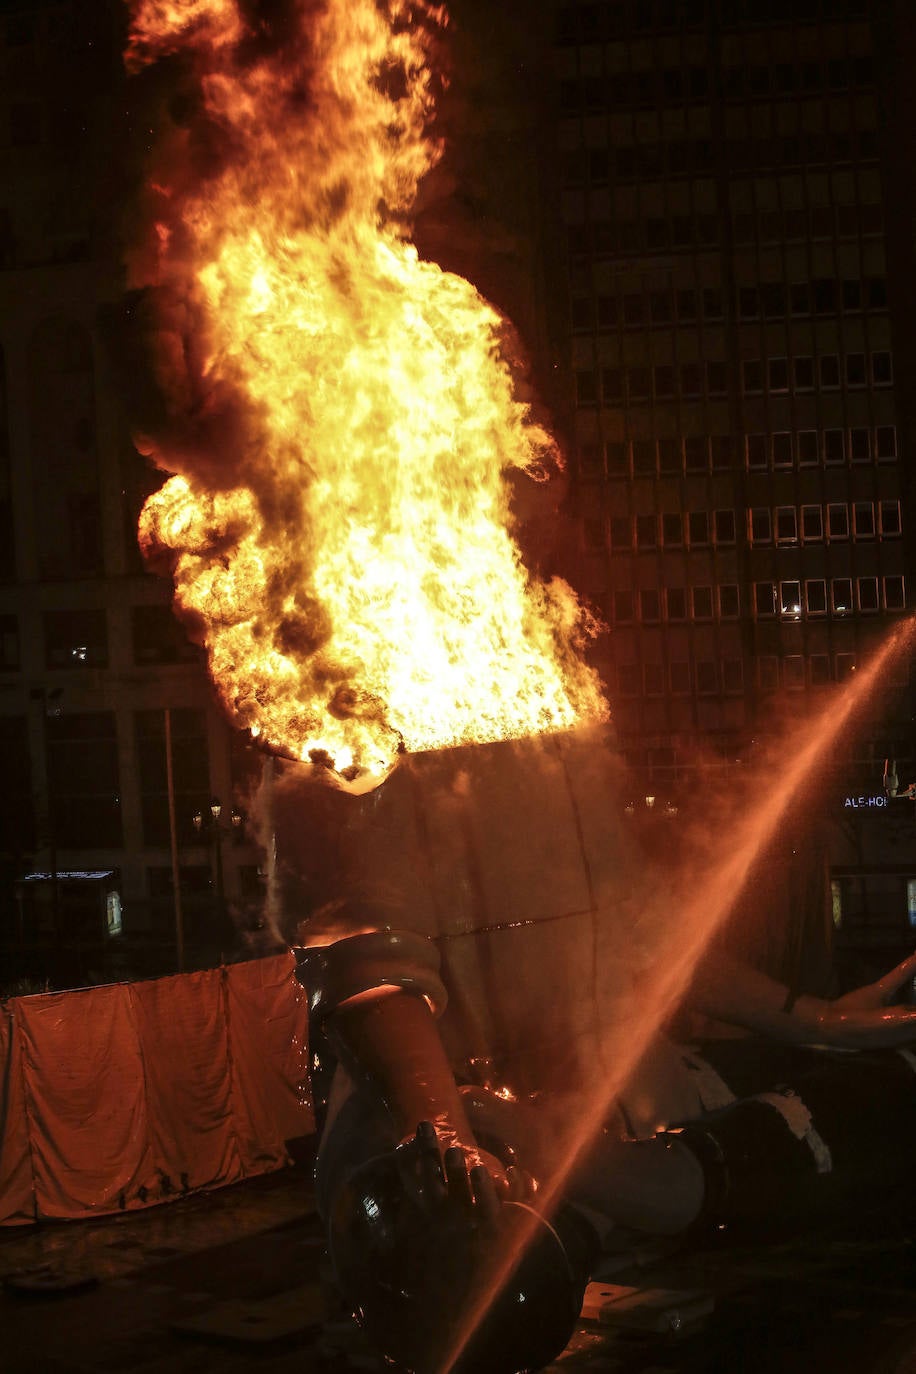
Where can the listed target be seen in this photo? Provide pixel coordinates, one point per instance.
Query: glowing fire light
(343, 417)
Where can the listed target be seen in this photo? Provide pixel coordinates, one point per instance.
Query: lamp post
(209, 826)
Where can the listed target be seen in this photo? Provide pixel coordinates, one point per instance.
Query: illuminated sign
(862, 803)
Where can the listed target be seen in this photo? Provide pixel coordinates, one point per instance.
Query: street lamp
(214, 833)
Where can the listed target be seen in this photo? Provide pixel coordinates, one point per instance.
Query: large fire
(344, 547)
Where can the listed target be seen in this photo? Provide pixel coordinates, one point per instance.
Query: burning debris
(341, 418)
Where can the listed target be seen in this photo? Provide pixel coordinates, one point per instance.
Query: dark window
(768, 672)
(812, 523)
(728, 600)
(852, 294)
(773, 299)
(644, 457)
(748, 302)
(803, 372)
(725, 526)
(707, 677)
(800, 298)
(593, 533)
(623, 606)
(830, 370)
(582, 313)
(621, 532)
(819, 667)
(806, 447)
(723, 450)
(158, 637)
(752, 375)
(676, 603)
(664, 381)
(841, 594)
(890, 518)
(25, 125)
(696, 452)
(698, 526)
(793, 671)
(786, 526)
(653, 679)
(612, 384)
(17, 812)
(616, 453)
(859, 445)
(761, 531)
(816, 596)
(894, 593)
(9, 643)
(713, 305)
(732, 675)
(686, 305)
(778, 370)
(633, 308)
(591, 464)
(855, 369)
(825, 296)
(868, 593)
(765, 598)
(83, 781)
(845, 667)
(672, 528)
(756, 450)
(691, 379)
(863, 514)
(586, 387)
(834, 446)
(628, 676)
(76, 639)
(680, 678)
(649, 604)
(660, 307)
(882, 370)
(669, 455)
(838, 521)
(190, 770)
(716, 378)
(876, 293)
(607, 312)
(886, 442)
(646, 531)
(782, 450)
(702, 603)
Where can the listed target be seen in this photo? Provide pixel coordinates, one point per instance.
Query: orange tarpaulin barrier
(118, 1097)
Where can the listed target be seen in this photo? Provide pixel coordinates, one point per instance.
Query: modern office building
(739, 331)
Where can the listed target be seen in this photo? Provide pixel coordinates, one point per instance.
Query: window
(713, 305)
(748, 302)
(686, 305)
(756, 450)
(623, 606)
(691, 381)
(793, 671)
(773, 298)
(894, 593)
(644, 457)
(9, 643)
(702, 603)
(806, 444)
(882, 370)
(621, 532)
(725, 526)
(628, 679)
(812, 523)
(663, 378)
(728, 600)
(819, 669)
(633, 309)
(768, 672)
(837, 522)
(841, 594)
(886, 443)
(158, 637)
(83, 780)
(672, 529)
(732, 675)
(582, 314)
(653, 679)
(803, 373)
(778, 370)
(825, 295)
(863, 515)
(638, 383)
(867, 588)
(859, 445)
(698, 526)
(723, 450)
(190, 763)
(696, 452)
(800, 298)
(834, 446)
(830, 371)
(716, 378)
(852, 295)
(676, 603)
(649, 604)
(855, 369)
(876, 293)
(890, 519)
(707, 677)
(660, 307)
(752, 375)
(680, 678)
(765, 598)
(593, 533)
(607, 312)
(586, 387)
(816, 596)
(646, 531)
(612, 384)
(782, 450)
(845, 667)
(760, 525)
(669, 455)
(76, 639)
(790, 598)
(786, 527)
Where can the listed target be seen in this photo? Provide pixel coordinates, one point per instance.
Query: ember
(343, 417)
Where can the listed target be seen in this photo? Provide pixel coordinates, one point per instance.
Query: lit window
(765, 598)
(816, 596)
(890, 519)
(786, 525)
(806, 445)
(76, 639)
(812, 523)
(790, 599)
(759, 522)
(793, 671)
(841, 594)
(698, 526)
(863, 515)
(702, 603)
(782, 450)
(837, 521)
(894, 593)
(868, 593)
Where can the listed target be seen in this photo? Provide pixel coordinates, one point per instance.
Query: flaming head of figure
(341, 418)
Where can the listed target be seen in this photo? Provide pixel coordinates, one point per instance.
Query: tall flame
(344, 417)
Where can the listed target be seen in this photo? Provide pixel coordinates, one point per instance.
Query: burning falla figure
(487, 972)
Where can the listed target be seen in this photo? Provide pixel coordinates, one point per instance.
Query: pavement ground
(237, 1280)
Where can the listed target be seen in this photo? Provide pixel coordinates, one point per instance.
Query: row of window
(599, 23)
(711, 677)
(79, 639)
(837, 521)
(696, 157)
(696, 452)
(790, 599)
(673, 85)
(768, 300)
(641, 385)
